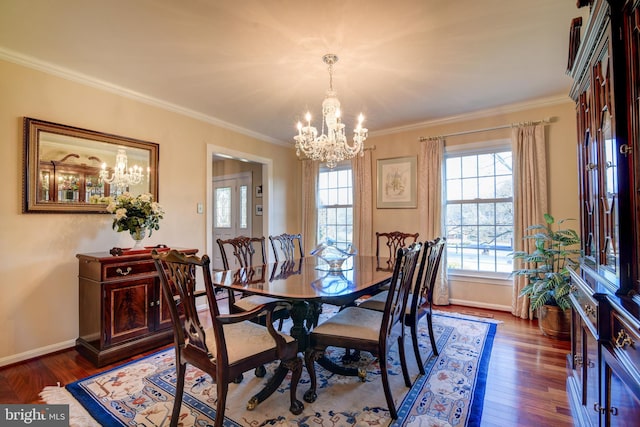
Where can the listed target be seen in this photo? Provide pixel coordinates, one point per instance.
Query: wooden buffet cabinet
(603, 381)
(122, 310)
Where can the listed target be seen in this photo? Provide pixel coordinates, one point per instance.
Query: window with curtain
(335, 204)
(479, 210)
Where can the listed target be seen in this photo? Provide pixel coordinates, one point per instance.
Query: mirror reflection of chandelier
(123, 176)
(333, 146)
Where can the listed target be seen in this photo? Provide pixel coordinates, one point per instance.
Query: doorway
(232, 207)
(262, 176)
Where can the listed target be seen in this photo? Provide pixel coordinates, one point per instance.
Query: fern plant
(546, 267)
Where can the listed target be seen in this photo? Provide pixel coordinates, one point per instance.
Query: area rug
(140, 393)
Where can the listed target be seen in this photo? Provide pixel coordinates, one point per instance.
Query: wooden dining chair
(387, 245)
(287, 247)
(249, 252)
(231, 346)
(369, 330)
(421, 297)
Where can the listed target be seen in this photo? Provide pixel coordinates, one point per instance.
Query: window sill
(500, 279)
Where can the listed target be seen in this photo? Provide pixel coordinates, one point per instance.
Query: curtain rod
(466, 132)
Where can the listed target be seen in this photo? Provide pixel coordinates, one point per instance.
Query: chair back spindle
(244, 250)
(286, 247)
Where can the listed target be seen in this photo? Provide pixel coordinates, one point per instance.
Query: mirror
(68, 169)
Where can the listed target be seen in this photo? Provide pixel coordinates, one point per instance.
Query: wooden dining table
(307, 284)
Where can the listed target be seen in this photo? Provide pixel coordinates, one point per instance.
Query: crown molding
(480, 114)
(46, 67)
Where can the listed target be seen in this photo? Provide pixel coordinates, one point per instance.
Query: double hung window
(479, 210)
(335, 205)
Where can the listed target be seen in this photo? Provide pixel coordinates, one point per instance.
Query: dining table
(307, 284)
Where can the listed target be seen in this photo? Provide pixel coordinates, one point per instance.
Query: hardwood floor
(525, 386)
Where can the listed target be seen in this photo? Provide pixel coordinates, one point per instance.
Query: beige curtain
(362, 203)
(529, 199)
(430, 196)
(309, 206)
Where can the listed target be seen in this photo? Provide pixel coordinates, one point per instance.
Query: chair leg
(221, 387)
(403, 360)
(295, 365)
(385, 385)
(260, 371)
(177, 402)
(416, 347)
(310, 358)
(434, 348)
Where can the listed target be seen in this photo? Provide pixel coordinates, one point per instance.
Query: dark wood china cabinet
(603, 382)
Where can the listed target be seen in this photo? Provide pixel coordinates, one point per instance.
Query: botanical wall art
(397, 187)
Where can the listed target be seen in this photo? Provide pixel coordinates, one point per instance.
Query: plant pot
(555, 322)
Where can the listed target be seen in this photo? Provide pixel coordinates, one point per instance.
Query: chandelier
(333, 146)
(122, 176)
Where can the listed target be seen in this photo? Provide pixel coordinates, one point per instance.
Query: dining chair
(421, 297)
(369, 330)
(387, 245)
(230, 346)
(284, 246)
(249, 252)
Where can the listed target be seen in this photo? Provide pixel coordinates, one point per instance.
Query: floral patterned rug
(451, 393)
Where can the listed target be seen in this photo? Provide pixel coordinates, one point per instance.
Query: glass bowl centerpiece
(333, 256)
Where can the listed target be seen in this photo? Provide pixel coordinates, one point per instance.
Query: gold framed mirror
(69, 169)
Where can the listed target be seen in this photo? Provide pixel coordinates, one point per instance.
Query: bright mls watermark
(34, 415)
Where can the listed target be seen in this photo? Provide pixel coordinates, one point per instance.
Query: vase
(138, 235)
(555, 322)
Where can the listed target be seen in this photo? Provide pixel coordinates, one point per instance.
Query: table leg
(304, 316)
(271, 386)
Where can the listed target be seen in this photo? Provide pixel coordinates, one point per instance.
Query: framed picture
(258, 191)
(397, 182)
(259, 210)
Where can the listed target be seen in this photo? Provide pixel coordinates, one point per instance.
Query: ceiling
(255, 66)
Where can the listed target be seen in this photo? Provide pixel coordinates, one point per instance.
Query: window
(335, 205)
(479, 210)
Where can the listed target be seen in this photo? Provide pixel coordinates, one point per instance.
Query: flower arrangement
(134, 214)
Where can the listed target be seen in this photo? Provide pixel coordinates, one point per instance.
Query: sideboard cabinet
(122, 311)
(603, 381)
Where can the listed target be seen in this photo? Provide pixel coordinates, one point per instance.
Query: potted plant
(549, 286)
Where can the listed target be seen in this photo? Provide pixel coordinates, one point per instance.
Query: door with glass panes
(231, 208)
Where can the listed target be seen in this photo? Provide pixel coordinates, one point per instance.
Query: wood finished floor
(525, 386)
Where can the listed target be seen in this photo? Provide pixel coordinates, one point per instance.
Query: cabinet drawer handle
(589, 310)
(613, 411)
(598, 408)
(591, 166)
(622, 340)
(123, 273)
(625, 149)
(577, 359)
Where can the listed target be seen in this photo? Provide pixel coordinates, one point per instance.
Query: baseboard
(21, 357)
(478, 305)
